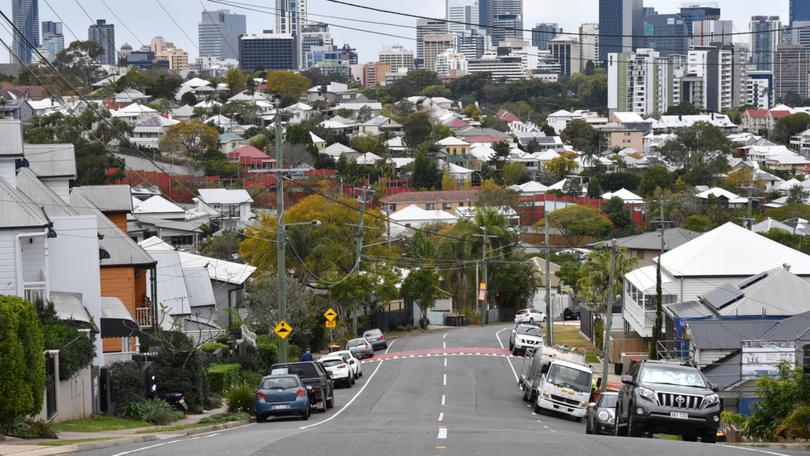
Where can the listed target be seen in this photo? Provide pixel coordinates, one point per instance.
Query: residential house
(371, 108)
(19, 109)
(647, 246)
(54, 165)
(341, 125)
(670, 124)
(230, 141)
(777, 157)
(801, 143)
(179, 234)
(335, 92)
(225, 208)
(251, 159)
(184, 112)
(722, 196)
(769, 224)
(318, 142)
(413, 216)
(131, 113)
(625, 195)
(616, 137)
(149, 130)
(380, 124)
(338, 150)
(461, 175)
(454, 146)
(131, 95)
(530, 188)
(299, 112)
(757, 120)
(445, 200)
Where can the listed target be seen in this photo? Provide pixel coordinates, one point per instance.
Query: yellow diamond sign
(283, 329)
(330, 314)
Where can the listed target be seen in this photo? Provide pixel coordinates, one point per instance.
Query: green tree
(365, 144)
(576, 222)
(581, 135)
(612, 182)
(22, 363)
(619, 215)
(421, 286)
(417, 128)
(298, 134)
(655, 177)
(778, 397)
(513, 284)
(224, 246)
(794, 241)
(190, 137)
(699, 223)
(426, 174)
(188, 98)
(288, 85)
(788, 126)
(594, 282)
(560, 167)
(413, 83)
(683, 109)
(78, 62)
(701, 150)
(514, 173)
(76, 350)
(236, 80)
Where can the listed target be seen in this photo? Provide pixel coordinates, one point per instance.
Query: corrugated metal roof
(171, 284)
(726, 334)
(17, 211)
(219, 270)
(107, 198)
(123, 251)
(651, 240)
(795, 327)
(41, 195)
(11, 136)
(51, 160)
(198, 285)
(726, 372)
(224, 196)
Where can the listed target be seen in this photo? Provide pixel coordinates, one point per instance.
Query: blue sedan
(281, 395)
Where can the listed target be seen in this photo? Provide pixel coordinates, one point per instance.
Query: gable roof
(11, 132)
(416, 213)
(725, 334)
(452, 141)
(183, 111)
(29, 185)
(107, 198)
(17, 211)
(337, 149)
(730, 250)
(722, 193)
(51, 160)
(529, 187)
(795, 327)
(625, 195)
(157, 205)
(224, 196)
(220, 270)
(651, 240)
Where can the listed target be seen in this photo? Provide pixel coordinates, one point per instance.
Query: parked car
(525, 336)
(570, 313)
(339, 370)
(360, 348)
(601, 415)
(320, 387)
(667, 398)
(376, 338)
(281, 395)
(354, 363)
(530, 316)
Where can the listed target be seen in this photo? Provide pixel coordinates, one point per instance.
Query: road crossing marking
(445, 362)
(442, 433)
(756, 450)
(444, 344)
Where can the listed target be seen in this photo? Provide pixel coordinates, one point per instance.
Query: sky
(146, 19)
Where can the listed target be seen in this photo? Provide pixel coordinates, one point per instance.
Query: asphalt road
(440, 404)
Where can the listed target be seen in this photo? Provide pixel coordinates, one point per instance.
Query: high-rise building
(710, 31)
(218, 34)
(589, 43)
(566, 50)
(104, 34)
(53, 40)
(451, 64)
(461, 15)
(374, 73)
(666, 33)
(425, 27)
(473, 44)
(485, 14)
(25, 15)
(267, 51)
(510, 68)
(639, 82)
(291, 16)
(314, 35)
(159, 44)
(790, 71)
(177, 58)
(800, 33)
(542, 34)
(799, 11)
(695, 12)
(716, 66)
(764, 40)
(507, 20)
(621, 26)
(759, 89)
(397, 56)
(435, 45)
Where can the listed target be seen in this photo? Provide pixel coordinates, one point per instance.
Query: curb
(771, 445)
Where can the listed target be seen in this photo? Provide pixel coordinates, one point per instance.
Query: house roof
(337, 149)
(730, 250)
(17, 211)
(507, 116)
(529, 187)
(452, 141)
(651, 240)
(725, 334)
(29, 185)
(157, 205)
(368, 158)
(793, 328)
(11, 132)
(771, 224)
(133, 109)
(626, 195)
(249, 154)
(230, 137)
(220, 270)
(315, 138)
(183, 111)
(722, 193)
(431, 196)
(32, 92)
(131, 94)
(51, 160)
(416, 213)
(726, 372)
(756, 113)
(107, 198)
(171, 284)
(224, 196)
(628, 117)
(198, 285)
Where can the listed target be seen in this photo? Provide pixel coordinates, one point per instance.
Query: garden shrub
(599, 335)
(76, 350)
(126, 384)
(178, 367)
(222, 376)
(242, 398)
(210, 347)
(22, 362)
(251, 378)
(153, 411)
(27, 428)
(213, 401)
(268, 353)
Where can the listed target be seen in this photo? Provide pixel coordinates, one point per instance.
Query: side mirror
(627, 379)
(328, 374)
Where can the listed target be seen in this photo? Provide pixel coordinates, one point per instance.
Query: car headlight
(583, 403)
(603, 416)
(710, 400)
(646, 393)
(546, 394)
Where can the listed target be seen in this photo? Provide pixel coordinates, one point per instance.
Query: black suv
(667, 398)
(317, 381)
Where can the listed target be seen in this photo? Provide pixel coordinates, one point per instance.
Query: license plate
(280, 406)
(679, 415)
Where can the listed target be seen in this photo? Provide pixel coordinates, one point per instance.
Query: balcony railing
(144, 316)
(34, 292)
(640, 319)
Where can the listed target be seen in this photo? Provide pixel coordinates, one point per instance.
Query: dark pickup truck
(316, 380)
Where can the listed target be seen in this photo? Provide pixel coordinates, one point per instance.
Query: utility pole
(609, 316)
(281, 248)
(659, 293)
(549, 318)
(749, 219)
(484, 278)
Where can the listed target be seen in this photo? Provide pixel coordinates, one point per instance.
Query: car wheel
(691, 437)
(511, 346)
(259, 418)
(330, 402)
(709, 436)
(305, 415)
(531, 320)
(620, 430)
(578, 419)
(526, 394)
(537, 409)
(352, 382)
(514, 351)
(633, 429)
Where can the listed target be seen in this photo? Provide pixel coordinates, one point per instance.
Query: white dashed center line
(441, 417)
(444, 379)
(443, 402)
(442, 433)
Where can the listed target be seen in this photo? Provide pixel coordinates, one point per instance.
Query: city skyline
(147, 25)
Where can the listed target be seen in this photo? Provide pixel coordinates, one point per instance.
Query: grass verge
(98, 423)
(57, 443)
(219, 418)
(570, 336)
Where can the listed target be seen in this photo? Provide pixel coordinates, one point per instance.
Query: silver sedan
(360, 348)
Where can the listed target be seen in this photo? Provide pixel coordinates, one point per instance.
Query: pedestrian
(307, 355)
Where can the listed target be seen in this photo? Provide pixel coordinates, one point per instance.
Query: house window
(447, 206)
(430, 206)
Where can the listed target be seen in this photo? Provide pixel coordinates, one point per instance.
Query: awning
(69, 306)
(116, 321)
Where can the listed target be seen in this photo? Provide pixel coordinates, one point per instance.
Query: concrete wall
(74, 398)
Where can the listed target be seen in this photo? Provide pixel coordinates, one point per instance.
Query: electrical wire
(182, 30)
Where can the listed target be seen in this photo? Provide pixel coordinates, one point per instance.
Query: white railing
(639, 318)
(34, 291)
(144, 316)
(201, 336)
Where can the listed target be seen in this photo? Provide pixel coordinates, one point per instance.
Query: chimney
(786, 266)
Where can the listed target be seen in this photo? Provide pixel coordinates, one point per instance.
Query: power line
(122, 23)
(219, 30)
(75, 36)
(193, 43)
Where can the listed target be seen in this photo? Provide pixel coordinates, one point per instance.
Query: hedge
(222, 376)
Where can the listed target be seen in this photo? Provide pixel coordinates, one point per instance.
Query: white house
(54, 165)
(149, 130)
(131, 113)
(625, 195)
(299, 112)
(231, 208)
(529, 188)
(724, 196)
(415, 217)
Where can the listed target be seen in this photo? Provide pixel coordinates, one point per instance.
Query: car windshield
(608, 401)
(672, 375)
(331, 362)
(567, 377)
(304, 370)
(357, 343)
(373, 333)
(279, 383)
(529, 330)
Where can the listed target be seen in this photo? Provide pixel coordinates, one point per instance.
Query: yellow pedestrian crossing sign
(283, 329)
(330, 315)
(331, 324)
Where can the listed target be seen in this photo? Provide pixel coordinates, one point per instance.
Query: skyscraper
(639, 82)
(52, 38)
(425, 27)
(694, 12)
(565, 49)
(485, 13)
(666, 33)
(465, 11)
(710, 31)
(764, 40)
(268, 51)
(790, 71)
(218, 34)
(542, 34)
(104, 34)
(621, 26)
(397, 57)
(507, 20)
(291, 16)
(25, 14)
(799, 11)
(589, 43)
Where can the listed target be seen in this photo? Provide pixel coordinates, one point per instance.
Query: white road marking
(552, 430)
(123, 453)
(442, 433)
(539, 421)
(363, 388)
(444, 344)
(443, 401)
(212, 435)
(444, 336)
(444, 379)
(445, 362)
(441, 417)
(756, 450)
(498, 336)
(545, 427)
(534, 414)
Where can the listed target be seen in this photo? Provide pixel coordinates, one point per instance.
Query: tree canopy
(577, 222)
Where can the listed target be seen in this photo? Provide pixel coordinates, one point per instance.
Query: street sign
(482, 292)
(330, 315)
(283, 329)
(331, 324)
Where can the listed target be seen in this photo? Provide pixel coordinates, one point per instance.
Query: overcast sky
(146, 19)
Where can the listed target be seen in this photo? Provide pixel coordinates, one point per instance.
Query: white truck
(556, 380)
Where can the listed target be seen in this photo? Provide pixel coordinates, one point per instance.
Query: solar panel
(752, 280)
(722, 296)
